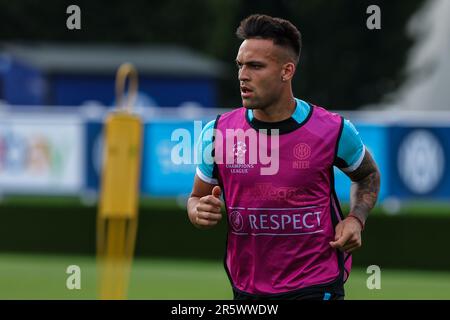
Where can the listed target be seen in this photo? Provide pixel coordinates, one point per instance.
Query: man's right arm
(204, 205)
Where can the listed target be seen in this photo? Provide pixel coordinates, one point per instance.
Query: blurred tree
(343, 64)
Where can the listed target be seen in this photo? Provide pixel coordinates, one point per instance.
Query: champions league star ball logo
(239, 150)
(236, 221)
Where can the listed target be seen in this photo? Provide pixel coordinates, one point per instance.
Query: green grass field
(44, 277)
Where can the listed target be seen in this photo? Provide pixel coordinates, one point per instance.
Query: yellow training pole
(118, 209)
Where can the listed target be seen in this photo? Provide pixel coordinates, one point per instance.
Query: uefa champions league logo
(236, 221)
(239, 150)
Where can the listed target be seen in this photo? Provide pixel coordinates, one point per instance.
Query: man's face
(260, 72)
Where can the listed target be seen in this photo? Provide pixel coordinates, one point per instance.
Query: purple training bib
(282, 214)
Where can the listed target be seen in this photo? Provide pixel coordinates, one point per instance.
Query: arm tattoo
(365, 187)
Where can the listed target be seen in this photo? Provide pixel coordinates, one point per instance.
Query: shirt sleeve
(351, 149)
(204, 151)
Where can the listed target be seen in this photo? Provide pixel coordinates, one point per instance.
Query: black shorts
(334, 291)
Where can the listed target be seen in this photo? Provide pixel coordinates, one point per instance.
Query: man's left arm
(365, 188)
(363, 196)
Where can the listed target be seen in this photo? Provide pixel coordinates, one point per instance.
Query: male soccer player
(287, 237)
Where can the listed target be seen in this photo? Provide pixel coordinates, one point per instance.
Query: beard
(252, 103)
(255, 103)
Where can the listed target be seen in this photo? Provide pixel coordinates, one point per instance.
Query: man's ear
(288, 71)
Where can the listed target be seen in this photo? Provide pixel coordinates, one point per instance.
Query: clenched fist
(208, 210)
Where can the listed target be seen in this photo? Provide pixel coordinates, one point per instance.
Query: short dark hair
(282, 32)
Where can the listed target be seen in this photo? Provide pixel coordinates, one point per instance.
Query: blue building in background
(71, 75)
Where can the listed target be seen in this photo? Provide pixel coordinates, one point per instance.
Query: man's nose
(243, 74)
